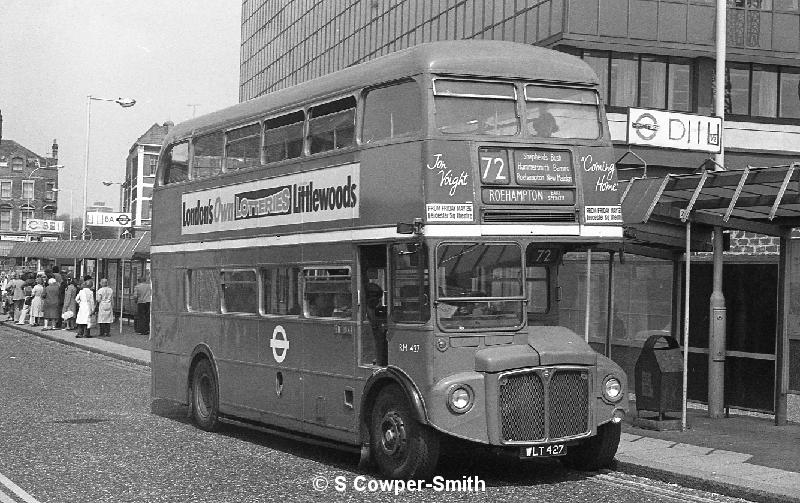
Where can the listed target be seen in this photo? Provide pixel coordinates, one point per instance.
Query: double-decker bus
(372, 258)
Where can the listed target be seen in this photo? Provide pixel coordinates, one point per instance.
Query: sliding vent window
(239, 292)
(482, 108)
(242, 147)
(332, 126)
(392, 112)
(175, 164)
(283, 137)
(555, 112)
(207, 156)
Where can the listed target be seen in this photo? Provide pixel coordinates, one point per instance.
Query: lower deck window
(327, 293)
(202, 290)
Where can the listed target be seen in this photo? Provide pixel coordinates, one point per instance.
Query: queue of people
(53, 301)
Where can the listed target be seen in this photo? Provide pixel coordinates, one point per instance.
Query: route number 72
(494, 167)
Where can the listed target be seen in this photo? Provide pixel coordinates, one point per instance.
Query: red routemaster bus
(372, 258)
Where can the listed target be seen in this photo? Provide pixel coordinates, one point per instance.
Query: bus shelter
(673, 217)
(122, 261)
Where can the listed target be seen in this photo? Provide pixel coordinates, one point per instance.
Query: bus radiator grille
(523, 404)
(511, 216)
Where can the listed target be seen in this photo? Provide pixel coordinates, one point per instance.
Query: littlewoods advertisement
(316, 196)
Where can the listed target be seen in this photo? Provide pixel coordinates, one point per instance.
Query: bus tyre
(402, 447)
(204, 400)
(596, 452)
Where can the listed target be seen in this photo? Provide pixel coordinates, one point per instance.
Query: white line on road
(27, 498)
(5, 498)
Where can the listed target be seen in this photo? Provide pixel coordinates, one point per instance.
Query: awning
(761, 200)
(122, 248)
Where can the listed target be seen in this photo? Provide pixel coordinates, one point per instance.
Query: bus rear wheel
(402, 447)
(596, 452)
(204, 401)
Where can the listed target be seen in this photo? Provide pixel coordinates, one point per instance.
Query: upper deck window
(207, 156)
(391, 112)
(175, 164)
(469, 107)
(331, 126)
(283, 137)
(558, 112)
(242, 147)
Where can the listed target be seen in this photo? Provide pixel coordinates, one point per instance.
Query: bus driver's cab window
(327, 293)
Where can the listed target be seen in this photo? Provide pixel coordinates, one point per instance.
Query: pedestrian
(86, 305)
(57, 274)
(52, 308)
(142, 294)
(70, 306)
(37, 313)
(105, 308)
(17, 287)
(26, 304)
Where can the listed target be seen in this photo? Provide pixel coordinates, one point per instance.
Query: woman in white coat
(85, 300)
(105, 308)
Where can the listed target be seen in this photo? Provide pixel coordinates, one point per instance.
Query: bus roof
(478, 58)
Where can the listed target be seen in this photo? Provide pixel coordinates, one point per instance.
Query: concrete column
(782, 330)
(717, 335)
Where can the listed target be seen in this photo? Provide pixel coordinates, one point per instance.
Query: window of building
(242, 147)
(27, 189)
(49, 193)
(391, 112)
(790, 93)
(175, 163)
(737, 101)
(202, 290)
(152, 164)
(624, 80)
(598, 60)
(331, 126)
(49, 213)
(239, 291)
(327, 293)
(764, 95)
(17, 163)
(653, 84)
(283, 137)
(25, 214)
(207, 155)
(280, 290)
(679, 85)
(147, 209)
(5, 219)
(5, 189)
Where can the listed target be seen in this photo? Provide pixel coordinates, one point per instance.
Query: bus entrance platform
(744, 455)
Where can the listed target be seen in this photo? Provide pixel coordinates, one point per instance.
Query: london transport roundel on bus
(279, 344)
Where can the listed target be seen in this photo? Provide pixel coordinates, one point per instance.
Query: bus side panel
(169, 358)
(277, 377)
(236, 358)
(391, 184)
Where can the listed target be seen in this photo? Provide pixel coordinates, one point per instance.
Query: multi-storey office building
(648, 53)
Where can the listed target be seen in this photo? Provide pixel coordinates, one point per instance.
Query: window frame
(305, 307)
(10, 189)
(188, 290)
(222, 282)
(310, 119)
(228, 142)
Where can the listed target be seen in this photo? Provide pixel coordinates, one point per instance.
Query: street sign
(38, 225)
(108, 219)
(658, 128)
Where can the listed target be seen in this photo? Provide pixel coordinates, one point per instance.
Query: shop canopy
(112, 249)
(763, 200)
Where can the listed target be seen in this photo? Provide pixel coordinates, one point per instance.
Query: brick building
(140, 168)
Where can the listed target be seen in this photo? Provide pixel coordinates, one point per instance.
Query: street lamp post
(71, 216)
(124, 103)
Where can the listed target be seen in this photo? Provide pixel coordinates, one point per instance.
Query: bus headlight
(460, 398)
(612, 389)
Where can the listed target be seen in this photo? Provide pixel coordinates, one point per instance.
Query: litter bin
(659, 379)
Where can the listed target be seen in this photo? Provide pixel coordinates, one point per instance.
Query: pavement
(744, 455)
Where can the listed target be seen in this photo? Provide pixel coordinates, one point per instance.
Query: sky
(175, 58)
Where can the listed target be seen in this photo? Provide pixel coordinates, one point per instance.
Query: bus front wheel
(596, 452)
(205, 396)
(402, 447)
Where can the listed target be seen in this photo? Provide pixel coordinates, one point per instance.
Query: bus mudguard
(378, 380)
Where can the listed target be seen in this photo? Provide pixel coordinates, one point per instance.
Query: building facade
(136, 191)
(655, 54)
(28, 189)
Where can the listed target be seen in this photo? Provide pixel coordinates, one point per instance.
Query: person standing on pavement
(37, 313)
(52, 308)
(143, 295)
(105, 308)
(17, 294)
(70, 306)
(86, 305)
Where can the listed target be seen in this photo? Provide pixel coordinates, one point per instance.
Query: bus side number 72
(494, 167)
